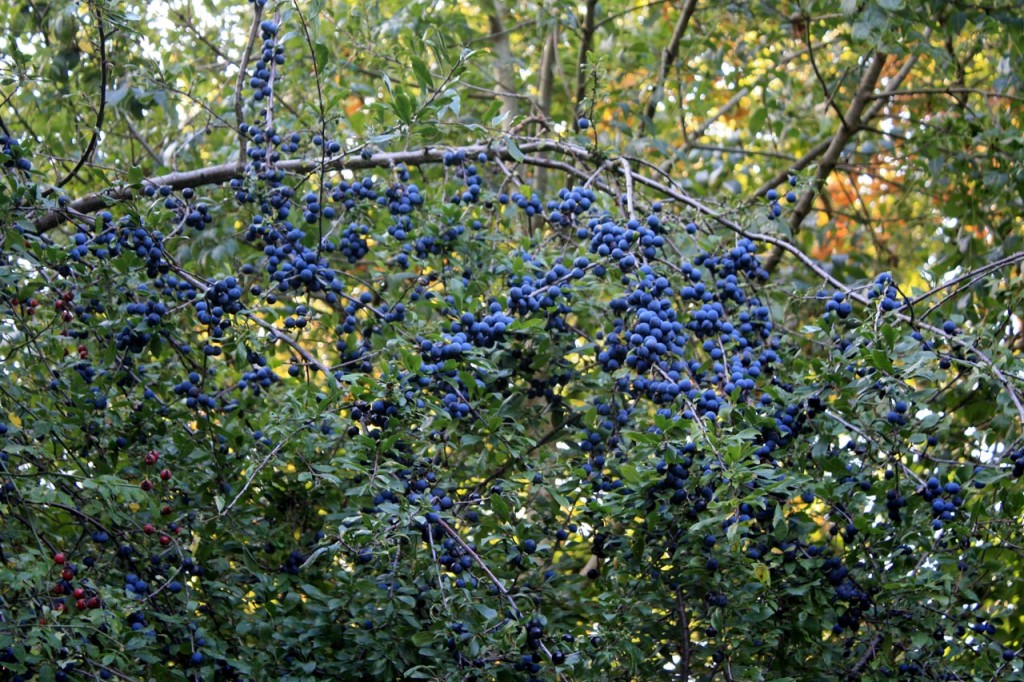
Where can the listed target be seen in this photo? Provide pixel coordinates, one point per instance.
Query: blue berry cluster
(260, 377)
(194, 396)
(837, 305)
(609, 239)
(885, 289)
(571, 205)
(531, 205)
(16, 156)
(271, 56)
(131, 338)
(469, 174)
(945, 499)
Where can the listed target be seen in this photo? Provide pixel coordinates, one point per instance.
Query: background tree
(597, 341)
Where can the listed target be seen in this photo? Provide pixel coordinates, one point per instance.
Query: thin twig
(684, 622)
(252, 477)
(480, 562)
(977, 272)
(952, 91)
(629, 187)
(101, 112)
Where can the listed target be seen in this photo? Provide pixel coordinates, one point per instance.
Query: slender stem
(629, 187)
(977, 272)
(453, 534)
(252, 477)
(586, 40)
(668, 58)
(98, 128)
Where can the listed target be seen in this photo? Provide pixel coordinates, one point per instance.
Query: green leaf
(500, 507)
(419, 672)
(630, 474)
(422, 73)
(422, 638)
(313, 11)
(757, 119)
(486, 611)
(513, 150)
(322, 54)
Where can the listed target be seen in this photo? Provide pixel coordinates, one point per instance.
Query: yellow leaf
(763, 575)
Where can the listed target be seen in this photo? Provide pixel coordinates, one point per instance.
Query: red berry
(59, 558)
(58, 588)
(67, 574)
(94, 602)
(165, 474)
(166, 511)
(80, 603)
(151, 457)
(165, 540)
(149, 529)
(78, 593)
(146, 485)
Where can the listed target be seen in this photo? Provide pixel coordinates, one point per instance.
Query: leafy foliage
(363, 342)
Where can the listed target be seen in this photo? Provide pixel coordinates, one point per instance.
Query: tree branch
(503, 74)
(951, 90)
(586, 40)
(243, 67)
(98, 128)
(849, 125)
(820, 147)
(684, 622)
(865, 658)
(668, 57)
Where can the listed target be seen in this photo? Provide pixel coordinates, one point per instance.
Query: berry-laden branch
(243, 70)
(214, 175)
(781, 245)
(429, 155)
(274, 331)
